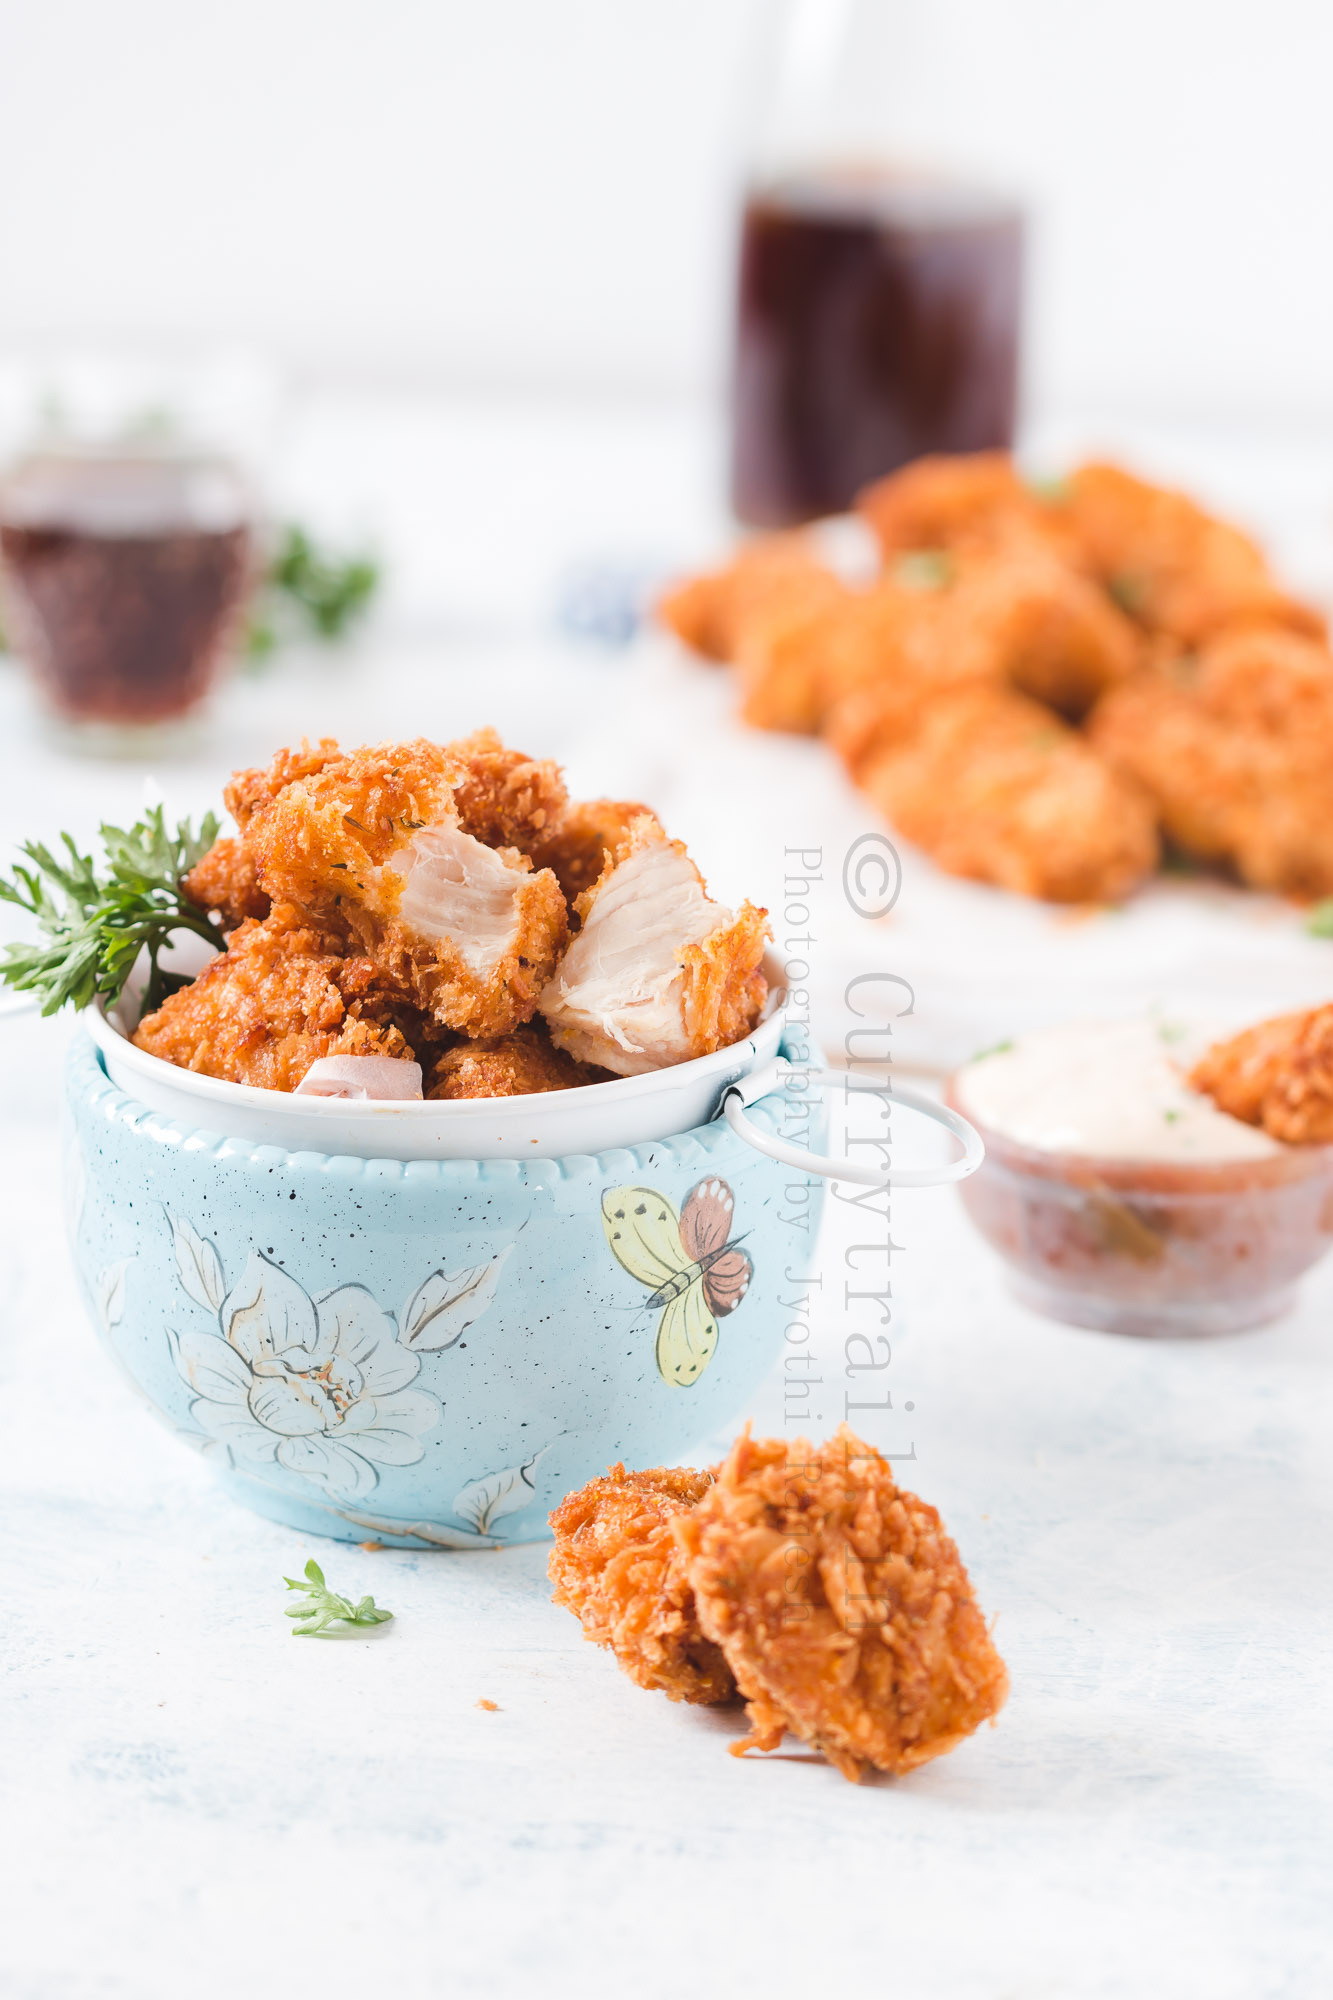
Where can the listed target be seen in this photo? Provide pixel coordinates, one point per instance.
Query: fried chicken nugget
(248, 791)
(946, 501)
(995, 787)
(1019, 613)
(797, 657)
(468, 933)
(504, 797)
(1235, 747)
(1278, 1075)
(783, 649)
(514, 1065)
(1012, 613)
(1174, 567)
(618, 1568)
(708, 612)
(658, 973)
(280, 996)
(226, 880)
(840, 1604)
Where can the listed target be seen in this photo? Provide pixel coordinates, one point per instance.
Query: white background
(481, 233)
(536, 195)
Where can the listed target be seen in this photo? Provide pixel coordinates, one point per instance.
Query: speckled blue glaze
(427, 1353)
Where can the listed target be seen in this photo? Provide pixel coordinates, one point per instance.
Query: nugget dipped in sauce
(1278, 1076)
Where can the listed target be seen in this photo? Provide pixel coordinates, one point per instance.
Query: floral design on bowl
(429, 1352)
(318, 1386)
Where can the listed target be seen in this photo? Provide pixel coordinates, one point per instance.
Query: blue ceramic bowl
(430, 1352)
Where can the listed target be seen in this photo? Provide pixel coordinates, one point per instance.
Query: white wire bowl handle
(776, 1074)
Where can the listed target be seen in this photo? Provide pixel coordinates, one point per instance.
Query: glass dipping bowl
(1152, 1247)
(124, 574)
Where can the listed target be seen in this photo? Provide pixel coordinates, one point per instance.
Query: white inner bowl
(631, 1111)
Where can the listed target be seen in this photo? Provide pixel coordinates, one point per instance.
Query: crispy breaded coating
(247, 791)
(1009, 613)
(226, 880)
(1022, 615)
(995, 787)
(842, 1606)
(505, 798)
(796, 660)
(1278, 1075)
(277, 999)
(781, 649)
(619, 1569)
(468, 933)
(348, 818)
(947, 501)
(658, 973)
(1235, 747)
(1172, 566)
(577, 846)
(515, 1065)
(708, 612)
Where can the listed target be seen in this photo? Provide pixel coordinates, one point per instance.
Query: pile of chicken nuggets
(1043, 684)
(797, 1577)
(449, 905)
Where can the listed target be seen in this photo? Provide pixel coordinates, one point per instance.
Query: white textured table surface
(195, 1803)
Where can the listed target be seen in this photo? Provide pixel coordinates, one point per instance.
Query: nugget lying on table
(799, 1578)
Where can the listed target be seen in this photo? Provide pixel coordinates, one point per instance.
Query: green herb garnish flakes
(1130, 592)
(96, 922)
(1052, 492)
(324, 1607)
(924, 569)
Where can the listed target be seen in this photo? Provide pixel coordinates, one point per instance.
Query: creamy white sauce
(1115, 1090)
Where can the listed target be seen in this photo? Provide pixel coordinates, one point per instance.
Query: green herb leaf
(1128, 591)
(96, 922)
(1052, 492)
(995, 1049)
(1319, 923)
(310, 591)
(324, 1607)
(924, 569)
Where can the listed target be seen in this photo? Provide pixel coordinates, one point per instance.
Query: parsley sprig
(310, 591)
(324, 1607)
(95, 921)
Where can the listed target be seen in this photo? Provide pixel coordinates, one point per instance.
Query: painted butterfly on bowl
(694, 1268)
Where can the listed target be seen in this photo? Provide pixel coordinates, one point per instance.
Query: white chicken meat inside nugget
(658, 973)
